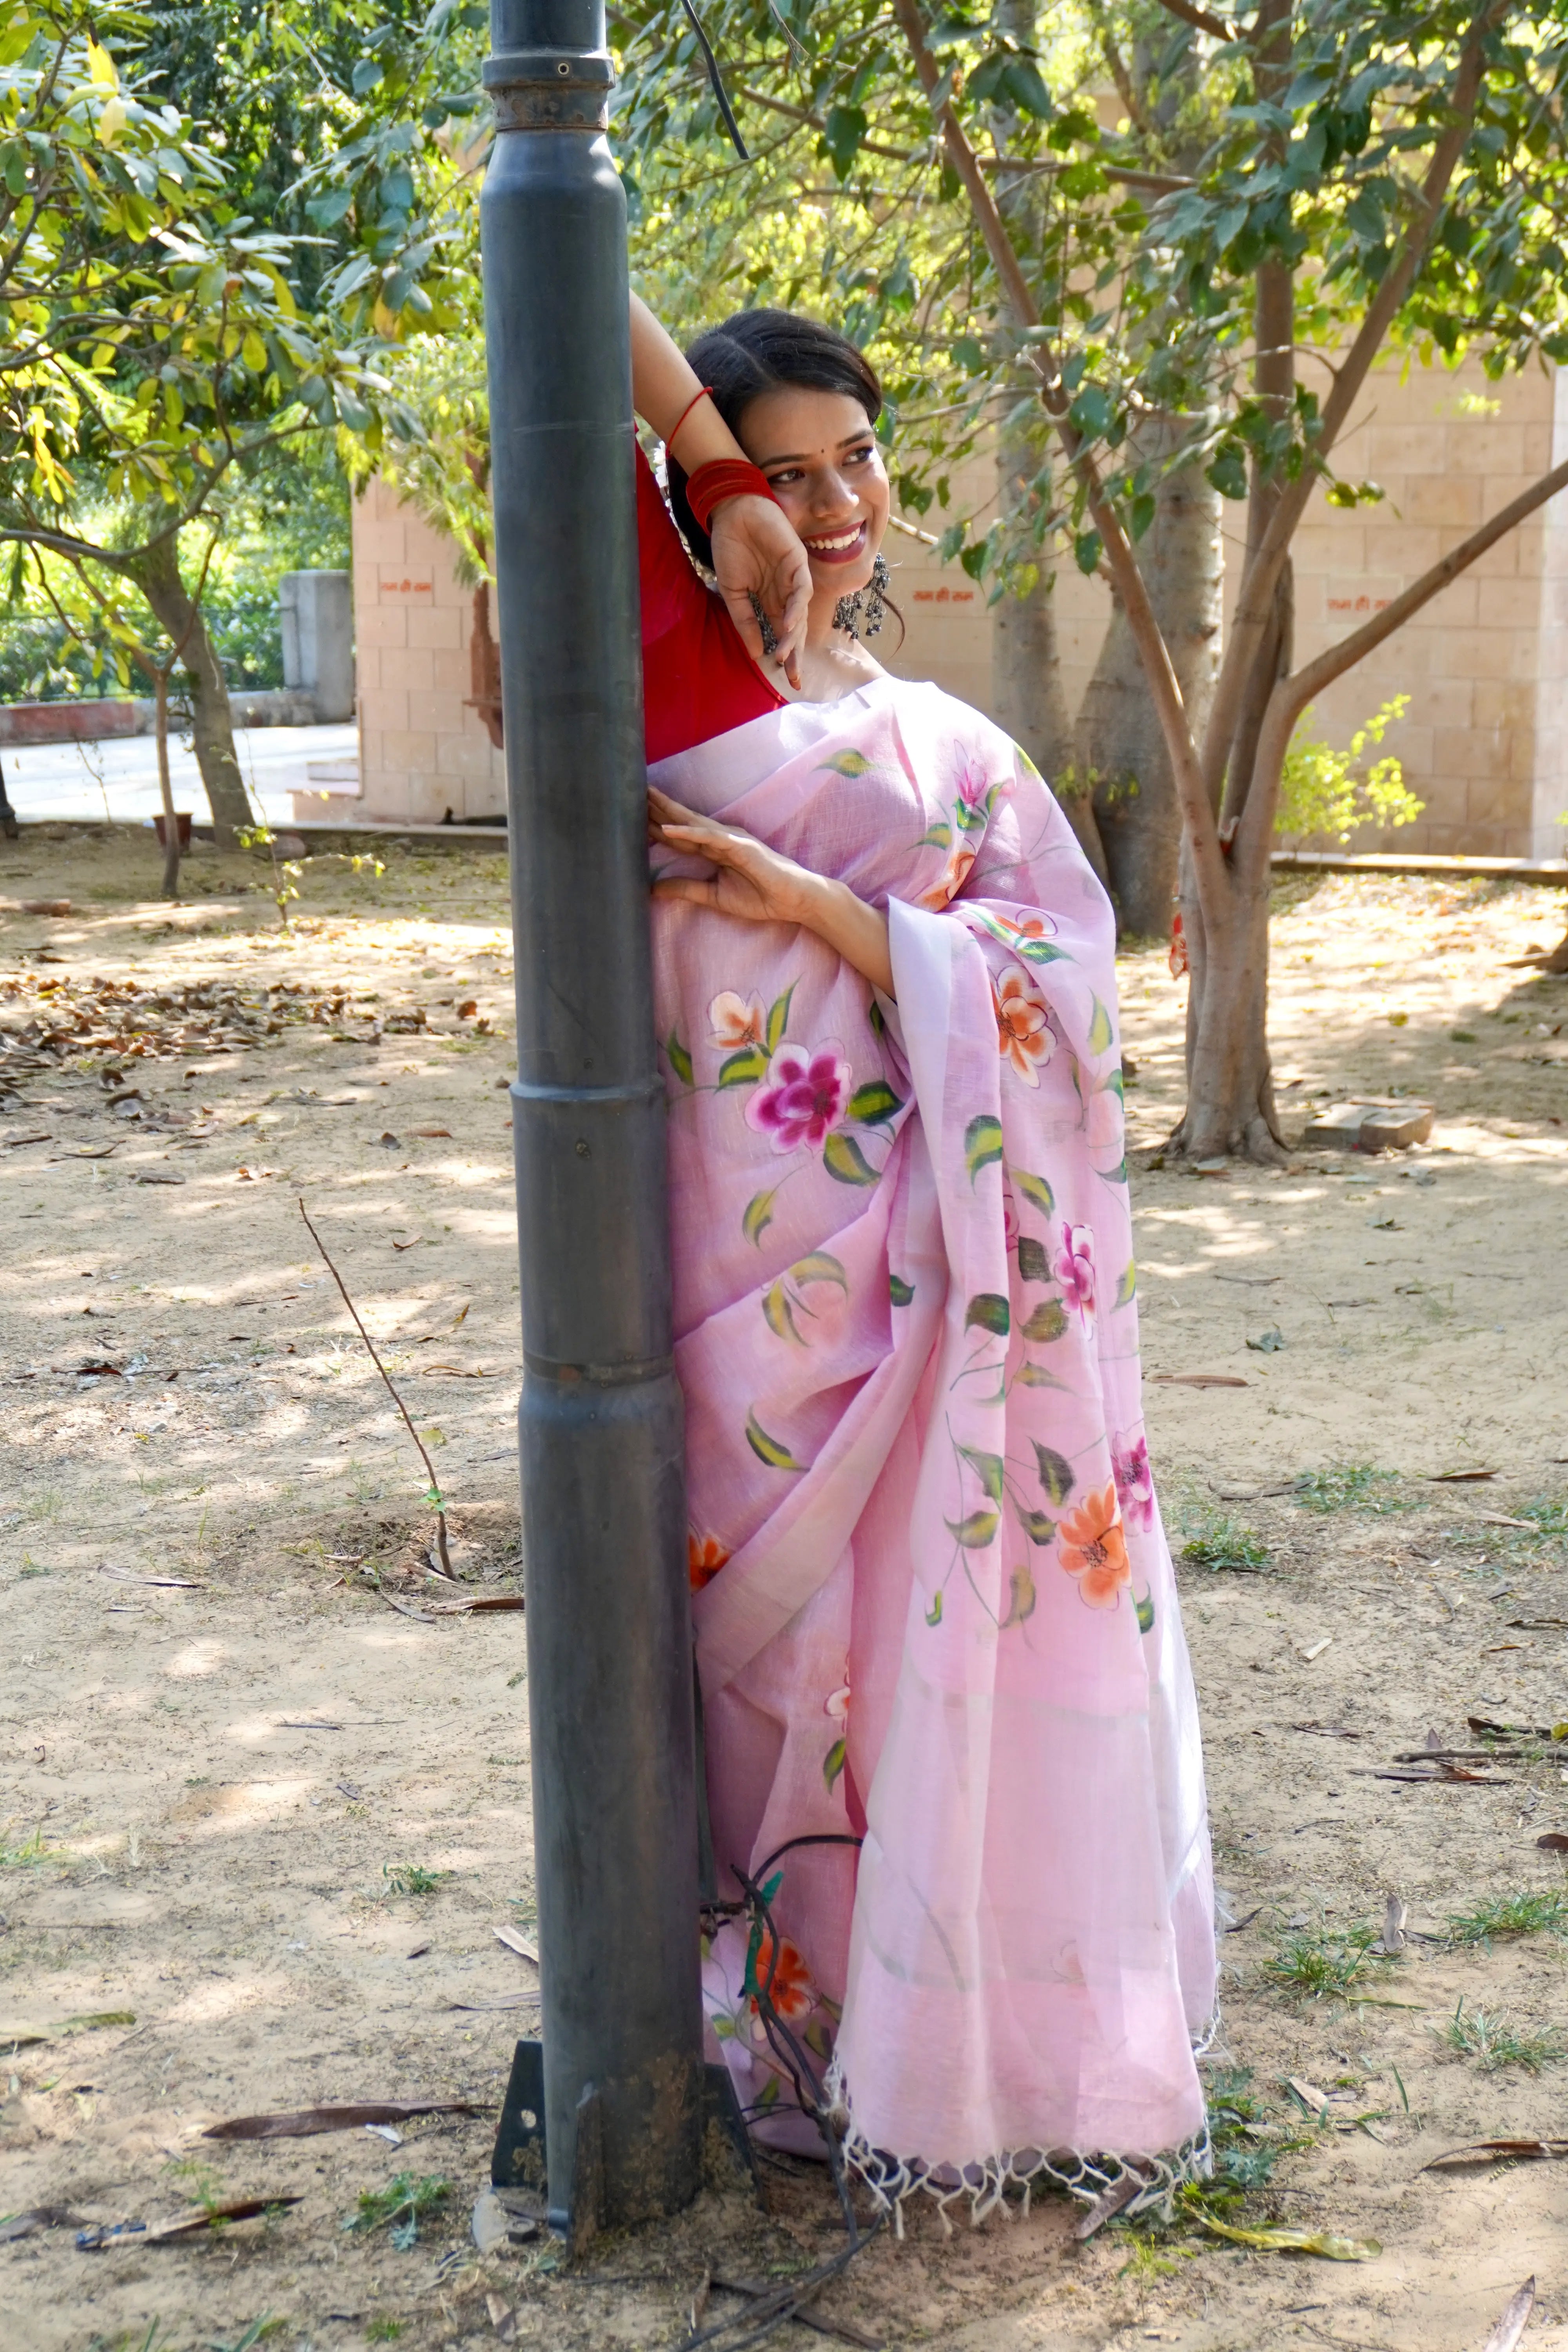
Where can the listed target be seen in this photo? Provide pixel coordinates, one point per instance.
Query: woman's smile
(838, 547)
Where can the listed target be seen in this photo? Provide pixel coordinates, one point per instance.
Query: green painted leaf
(768, 2095)
(1034, 1266)
(779, 1313)
(987, 1468)
(1117, 1175)
(1056, 1473)
(1049, 1321)
(820, 1267)
(1021, 1603)
(723, 2026)
(1036, 1527)
(973, 820)
(846, 763)
(768, 1449)
(745, 1068)
(1034, 1188)
(1114, 1084)
(982, 1143)
(757, 1216)
(679, 1059)
(934, 1614)
(833, 1762)
(1127, 1286)
(1039, 952)
(975, 1531)
(878, 1020)
(1100, 1030)
(899, 1291)
(988, 1311)
(1035, 1375)
(1145, 1609)
(842, 1157)
(778, 1017)
(939, 837)
(874, 1102)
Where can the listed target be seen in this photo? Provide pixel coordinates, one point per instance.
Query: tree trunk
(157, 575)
(1027, 670)
(166, 790)
(1119, 739)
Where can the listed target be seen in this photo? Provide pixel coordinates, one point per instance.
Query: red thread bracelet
(722, 478)
(704, 391)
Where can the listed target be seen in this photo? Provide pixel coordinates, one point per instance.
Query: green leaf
(939, 837)
(833, 1762)
(778, 1312)
(1036, 1189)
(974, 1532)
(874, 1102)
(1145, 1609)
(745, 1068)
(988, 1311)
(778, 1017)
(758, 1215)
(982, 1143)
(768, 1449)
(1023, 1596)
(1035, 1375)
(899, 1291)
(1100, 1030)
(1034, 1266)
(842, 1157)
(844, 129)
(1036, 1526)
(679, 1059)
(934, 1614)
(1127, 1287)
(1056, 1473)
(1041, 952)
(970, 820)
(820, 1267)
(846, 763)
(1228, 474)
(878, 1020)
(1086, 551)
(987, 1468)
(1091, 411)
(1049, 1321)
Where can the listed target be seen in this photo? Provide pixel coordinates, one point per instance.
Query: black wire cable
(716, 78)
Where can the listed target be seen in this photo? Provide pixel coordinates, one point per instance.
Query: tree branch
(1255, 600)
(1199, 18)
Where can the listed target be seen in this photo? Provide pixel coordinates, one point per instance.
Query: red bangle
(704, 391)
(722, 478)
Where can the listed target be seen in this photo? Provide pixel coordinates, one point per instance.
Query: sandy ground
(212, 1790)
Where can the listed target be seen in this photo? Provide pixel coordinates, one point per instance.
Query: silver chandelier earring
(867, 606)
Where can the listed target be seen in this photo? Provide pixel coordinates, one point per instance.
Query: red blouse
(699, 681)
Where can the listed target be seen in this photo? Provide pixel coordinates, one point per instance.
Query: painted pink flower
(1023, 1033)
(1134, 1480)
(1074, 1268)
(735, 1021)
(836, 1702)
(803, 1098)
(974, 788)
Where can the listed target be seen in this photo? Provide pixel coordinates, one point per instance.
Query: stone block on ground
(1375, 1124)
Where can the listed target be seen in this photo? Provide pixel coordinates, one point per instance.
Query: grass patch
(384, 2329)
(411, 1878)
(19, 1857)
(1490, 2037)
(1351, 1486)
(1549, 1513)
(1325, 1966)
(400, 2207)
(1217, 1540)
(1510, 1915)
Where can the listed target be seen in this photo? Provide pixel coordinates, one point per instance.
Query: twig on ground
(433, 1496)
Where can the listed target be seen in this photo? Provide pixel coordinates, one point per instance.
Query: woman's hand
(758, 885)
(756, 554)
(753, 881)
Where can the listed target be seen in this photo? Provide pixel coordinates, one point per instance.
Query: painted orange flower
(1022, 1033)
(705, 1556)
(735, 1021)
(955, 874)
(1094, 1548)
(791, 1992)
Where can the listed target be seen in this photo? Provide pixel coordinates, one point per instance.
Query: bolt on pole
(609, 1650)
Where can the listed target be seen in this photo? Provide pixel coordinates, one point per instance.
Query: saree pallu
(933, 1603)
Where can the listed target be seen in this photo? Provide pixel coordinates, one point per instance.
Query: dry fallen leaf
(184, 2225)
(1297, 2242)
(1511, 2326)
(1554, 1841)
(1199, 1380)
(515, 1943)
(305, 2123)
(429, 1131)
(1499, 2151)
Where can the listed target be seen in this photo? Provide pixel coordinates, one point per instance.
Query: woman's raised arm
(755, 549)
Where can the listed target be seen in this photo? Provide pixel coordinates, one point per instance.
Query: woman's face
(823, 465)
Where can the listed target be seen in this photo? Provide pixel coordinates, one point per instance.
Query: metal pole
(609, 1654)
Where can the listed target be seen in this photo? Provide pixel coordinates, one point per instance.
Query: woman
(936, 1623)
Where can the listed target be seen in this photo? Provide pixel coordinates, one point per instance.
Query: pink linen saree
(933, 1604)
